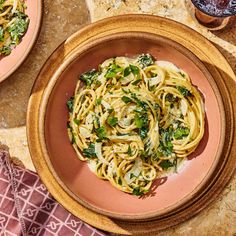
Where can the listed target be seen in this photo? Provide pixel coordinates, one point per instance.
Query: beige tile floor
(62, 18)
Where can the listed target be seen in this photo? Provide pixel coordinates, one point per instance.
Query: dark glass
(216, 8)
(213, 14)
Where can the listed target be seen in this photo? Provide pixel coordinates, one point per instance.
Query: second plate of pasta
(20, 22)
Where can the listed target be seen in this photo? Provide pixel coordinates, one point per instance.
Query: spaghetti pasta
(134, 119)
(13, 24)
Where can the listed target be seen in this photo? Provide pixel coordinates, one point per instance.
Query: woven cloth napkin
(27, 208)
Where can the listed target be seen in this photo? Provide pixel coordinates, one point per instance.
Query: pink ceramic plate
(168, 194)
(9, 64)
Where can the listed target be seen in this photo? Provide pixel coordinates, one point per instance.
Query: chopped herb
(76, 121)
(98, 102)
(68, 125)
(136, 81)
(145, 60)
(158, 155)
(132, 175)
(129, 151)
(113, 70)
(137, 192)
(125, 91)
(101, 132)
(166, 146)
(138, 110)
(112, 121)
(127, 71)
(138, 121)
(139, 102)
(110, 110)
(144, 155)
(110, 73)
(167, 135)
(182, 74)
(1, 34)
(151, 88)
(175, 163)
(1, 3)
(90, 151)
(181, 133)
(96, 122)
(72, 138)
(185, 92)
(89, 77)
(141, 121)
(164, 149)
(171, 98)
(126, 99)
(70, 104)
(119, 181)
(5, 50)
(143, 132)
(120, 134)
(97, 82)
(169, 146)
(165, 164)
(166, 143)
(109, 86)
(134, 69)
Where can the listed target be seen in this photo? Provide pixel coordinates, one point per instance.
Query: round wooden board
(213, 61)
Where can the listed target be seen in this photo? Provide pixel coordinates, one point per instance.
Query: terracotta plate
(70, 181)
(75, 175)
(9, 64)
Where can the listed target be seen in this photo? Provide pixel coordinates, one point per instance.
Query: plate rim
(31, 44)
(98, 220)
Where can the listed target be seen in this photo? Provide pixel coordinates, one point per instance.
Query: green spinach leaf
(70, 104)
(112, 121)
(165, 164)
(89, 77)
(90, 151)
(185, 92)
(145, 60)
(181, 133)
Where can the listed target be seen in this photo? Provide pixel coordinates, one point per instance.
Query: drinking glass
(213, 14)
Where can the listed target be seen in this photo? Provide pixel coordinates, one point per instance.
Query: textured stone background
(64, 17)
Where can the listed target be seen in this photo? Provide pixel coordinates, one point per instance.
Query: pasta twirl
(134, 119)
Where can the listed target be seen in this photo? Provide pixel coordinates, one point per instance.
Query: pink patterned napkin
(27, 208)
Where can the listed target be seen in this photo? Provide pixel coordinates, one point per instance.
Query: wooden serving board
(213, 61)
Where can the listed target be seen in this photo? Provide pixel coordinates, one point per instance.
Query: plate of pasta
(20, 21)
(134, 119)
(131, 126)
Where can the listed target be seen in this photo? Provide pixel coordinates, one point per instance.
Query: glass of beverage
(213, 14)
